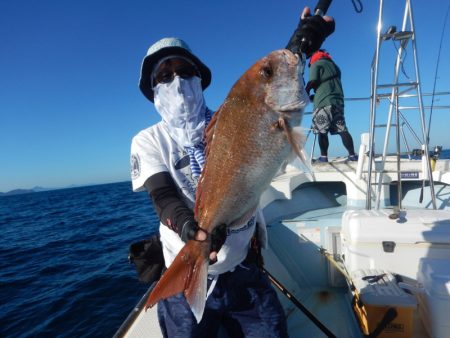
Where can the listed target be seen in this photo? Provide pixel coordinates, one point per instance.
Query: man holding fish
(205, 174)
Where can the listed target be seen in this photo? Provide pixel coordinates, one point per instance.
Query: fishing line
(297, 303)
(435, 74)
(402, 58)
(432, 96)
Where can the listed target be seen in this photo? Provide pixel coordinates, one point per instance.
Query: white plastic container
(373, 240)
(434, 300)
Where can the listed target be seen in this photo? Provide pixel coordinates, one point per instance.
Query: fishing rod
(297, 303)
(432, 100)
(435, 73)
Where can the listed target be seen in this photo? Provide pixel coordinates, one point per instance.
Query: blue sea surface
(64, 269)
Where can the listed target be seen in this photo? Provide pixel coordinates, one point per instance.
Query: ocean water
(64, 268)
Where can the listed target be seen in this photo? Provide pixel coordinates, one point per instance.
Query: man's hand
(311, 85)
(311, 32)
(191, 231)
(218, 237)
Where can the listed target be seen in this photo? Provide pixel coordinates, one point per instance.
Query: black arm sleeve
(171, 209)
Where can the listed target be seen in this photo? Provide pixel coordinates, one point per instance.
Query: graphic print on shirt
(135, 166)
(251, 222)
(181, 164)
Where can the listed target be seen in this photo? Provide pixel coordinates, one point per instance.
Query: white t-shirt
(154, 151)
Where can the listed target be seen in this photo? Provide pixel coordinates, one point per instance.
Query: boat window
(411, 191)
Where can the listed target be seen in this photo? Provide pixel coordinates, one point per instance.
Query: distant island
(24, 191)
(39, 189)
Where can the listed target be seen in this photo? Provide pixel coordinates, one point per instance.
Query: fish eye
(266, 72)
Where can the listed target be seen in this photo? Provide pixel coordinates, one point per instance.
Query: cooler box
(372, 240)
(434, 299)
(377, 293)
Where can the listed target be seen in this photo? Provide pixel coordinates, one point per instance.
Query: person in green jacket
(328, 98)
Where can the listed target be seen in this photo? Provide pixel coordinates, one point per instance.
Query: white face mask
(182, 107)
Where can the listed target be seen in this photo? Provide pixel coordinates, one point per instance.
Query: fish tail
(188, 273)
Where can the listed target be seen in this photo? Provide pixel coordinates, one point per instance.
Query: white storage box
(372, 240)
(434, 300)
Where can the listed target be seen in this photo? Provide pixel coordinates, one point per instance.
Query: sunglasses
(167, 75)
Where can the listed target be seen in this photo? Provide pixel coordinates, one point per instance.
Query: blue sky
(69, 101)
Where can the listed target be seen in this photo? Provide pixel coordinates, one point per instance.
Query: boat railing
(412, 150)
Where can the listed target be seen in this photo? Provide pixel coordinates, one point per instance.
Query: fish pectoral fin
(299, 139)
(188, 273)
(295, 137)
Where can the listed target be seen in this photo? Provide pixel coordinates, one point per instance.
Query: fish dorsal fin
(209, 134)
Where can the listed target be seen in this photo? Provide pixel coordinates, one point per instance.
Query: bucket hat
(163, 48)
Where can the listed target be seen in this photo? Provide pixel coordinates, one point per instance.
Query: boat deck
(303, 210)
(294, 257)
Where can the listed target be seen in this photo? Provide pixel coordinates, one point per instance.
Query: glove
(311, 32)
(314, 30)
(189, 230)
(218, 235)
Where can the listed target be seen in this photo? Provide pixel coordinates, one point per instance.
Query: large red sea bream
(248, 139)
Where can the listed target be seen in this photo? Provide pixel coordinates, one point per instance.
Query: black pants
(346, 140)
